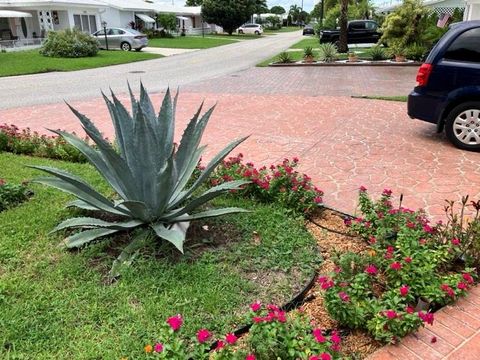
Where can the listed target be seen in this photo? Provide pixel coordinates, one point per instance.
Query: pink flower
(317, 334)
(409, 309)
(410, 225)
(158, 348)
(371, 270)
(317, 199)
(220, 345)
(428, 229)
(344, 296)
(175, 322)
(257, 319)
(387, 192)
(446, 288)
(250, 357)
(325, 356)
(372, 240)
(408, 259)
(390, 314)
(335, 338)
(328, 284)
(390, 249)
(455, 241)
(231, 339)
(314, 357)
(462, 286)
(433, 340)
(255, 306)
(362, 188)
(468, 278)
(426, 317)
(395, 266)
(203, 335)
(404, 290)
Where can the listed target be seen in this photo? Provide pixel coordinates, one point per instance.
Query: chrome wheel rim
(466, 127)
(125, 47)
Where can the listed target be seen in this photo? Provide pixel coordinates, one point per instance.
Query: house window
(85, 23)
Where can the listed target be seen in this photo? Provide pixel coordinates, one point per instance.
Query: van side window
(466, 47)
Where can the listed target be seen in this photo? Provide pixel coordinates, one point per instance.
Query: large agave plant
(151, 176)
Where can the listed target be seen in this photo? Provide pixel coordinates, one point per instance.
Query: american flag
(442, 21)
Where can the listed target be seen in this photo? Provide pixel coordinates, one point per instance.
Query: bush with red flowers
(280, 183)
(273, 335)
(406, 265)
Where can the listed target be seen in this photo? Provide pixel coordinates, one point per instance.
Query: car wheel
(125, 46)
(257, 32)
(462, 126)
(240, 31)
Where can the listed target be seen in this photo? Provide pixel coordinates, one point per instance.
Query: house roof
(32, 3)
(130, 5)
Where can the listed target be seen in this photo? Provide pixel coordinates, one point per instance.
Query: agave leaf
(89, 222)
(166, 128)
(211, 213)
(206, 173)
(81, 205)
(86, 236)
(188, 171)
(207, 196)
(130, 252)
(74, 185)
(175, 234)
(117, 166)
(137, 209)
(146, 103)
(166, 181)
(133, 101)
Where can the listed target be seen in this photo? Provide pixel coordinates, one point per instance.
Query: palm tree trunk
(343, 45)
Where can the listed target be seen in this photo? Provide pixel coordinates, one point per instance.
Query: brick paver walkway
(454, 335)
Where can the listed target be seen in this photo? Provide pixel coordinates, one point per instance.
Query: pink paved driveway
(342, 142)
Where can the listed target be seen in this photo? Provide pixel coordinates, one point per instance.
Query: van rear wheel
(462, 126)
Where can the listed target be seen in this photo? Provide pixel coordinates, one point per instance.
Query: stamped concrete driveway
(342, 142)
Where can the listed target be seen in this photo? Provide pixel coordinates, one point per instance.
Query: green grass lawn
(31, 62)
(283, 29)
(55, 304)
(193, 42)
(312, 41)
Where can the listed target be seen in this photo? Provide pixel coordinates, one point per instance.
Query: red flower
(390, 249)
(175, 322)
(255, 306)
(335, 338)
(250, 357)
(409, 309)
(395, 266)
(363, 188)
(410, 225)
(387, 192)
(317, 199)
(404, 290)
(257, 319)
(390, 314)
(158, 348)
(317, 333)
(426, 317)
(344, 296)
(325, 356)
(328, 284)
(446, 288)
(372, 240)
(462, 286)
(371, 270)
(231, 339)
(408, 259)
(455, 242)
(203, 335)
(314, 357)
(220, 345)
(433, 340)
(468, 278)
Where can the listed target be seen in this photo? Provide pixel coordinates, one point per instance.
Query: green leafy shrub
(284, 58)
(69, 44)
(407, 262)
(148, 173)
(377, 53)
(273, 335)
(12, 194)
(167, 21)
(26, 142)
(415, 52)
(308, 52)
(279, 183)
(328, 52)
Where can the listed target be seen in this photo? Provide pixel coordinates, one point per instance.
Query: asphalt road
(156, 74)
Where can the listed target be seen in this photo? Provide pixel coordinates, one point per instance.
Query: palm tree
(294, 12)
(343, 40)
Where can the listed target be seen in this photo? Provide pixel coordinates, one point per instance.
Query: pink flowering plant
(280, 183)
(406, 264)
(273, 335)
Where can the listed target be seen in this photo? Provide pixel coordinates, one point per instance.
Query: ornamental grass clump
(148, 173)
(408, 270)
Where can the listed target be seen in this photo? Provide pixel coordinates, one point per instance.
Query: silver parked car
(124, 39)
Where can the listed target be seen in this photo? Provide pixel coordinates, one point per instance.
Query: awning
(13, 14)
(183, 18)
(145, 18)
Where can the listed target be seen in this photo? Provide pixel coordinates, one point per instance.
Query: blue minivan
(448, 86)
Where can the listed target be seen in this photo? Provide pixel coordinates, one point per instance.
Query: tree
(274, 22)
(261, 7)
(229, 14)
(167, 21)
(279, 10)
(316, 13)
(343, 40)
(194, 3)
(294, 13)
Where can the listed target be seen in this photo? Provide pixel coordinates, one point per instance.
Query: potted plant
(308, 54)
(398, 51)
(352, 57)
